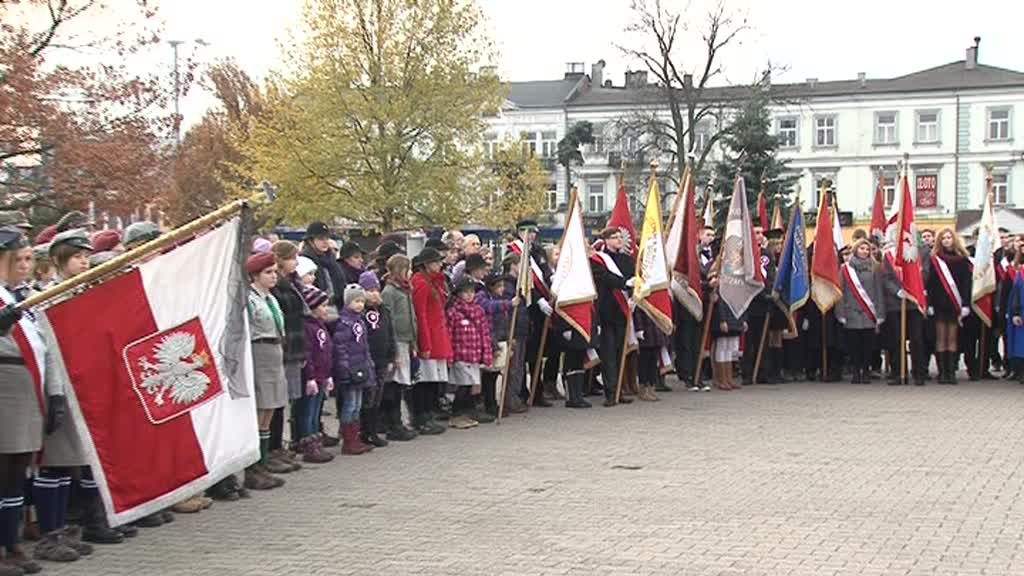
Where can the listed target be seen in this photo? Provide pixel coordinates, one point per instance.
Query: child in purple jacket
(316, 373)
(353, 367)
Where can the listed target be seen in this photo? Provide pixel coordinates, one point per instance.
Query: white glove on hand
(965, 312)
(806, 324)
(931, 311)
(545, 307)
(567, 335)
(631, 282)
(842, 321)
(639, 334)
(901, 294)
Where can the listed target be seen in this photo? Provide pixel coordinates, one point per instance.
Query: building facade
(954, 121)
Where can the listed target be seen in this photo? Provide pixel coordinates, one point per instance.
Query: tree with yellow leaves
(379, 116)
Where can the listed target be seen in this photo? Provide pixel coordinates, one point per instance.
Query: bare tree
(664, 29)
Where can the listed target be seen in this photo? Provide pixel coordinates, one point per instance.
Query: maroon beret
(259, 262)
(105, 240)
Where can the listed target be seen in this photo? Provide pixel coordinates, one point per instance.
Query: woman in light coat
(861, 310)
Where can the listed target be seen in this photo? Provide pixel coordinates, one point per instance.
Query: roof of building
(967, 221)
(952, 76)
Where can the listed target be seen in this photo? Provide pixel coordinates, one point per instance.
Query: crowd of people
(412, 346)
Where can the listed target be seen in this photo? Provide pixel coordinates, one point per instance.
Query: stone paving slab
(795, 479)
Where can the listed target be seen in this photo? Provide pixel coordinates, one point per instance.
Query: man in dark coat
(613, 272)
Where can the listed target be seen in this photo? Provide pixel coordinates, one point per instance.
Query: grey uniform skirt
(268, 375)
(64, 446)
(21, 420)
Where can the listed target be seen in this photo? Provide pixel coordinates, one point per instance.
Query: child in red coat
(470, 331)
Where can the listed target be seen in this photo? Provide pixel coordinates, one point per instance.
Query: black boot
(574, 396)
(952, 361)
(95, 528)
(370, 419)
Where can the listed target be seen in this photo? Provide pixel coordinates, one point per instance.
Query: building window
(819, 180)
(825, 131)
(927, 126)
(598, 147)
(490, 144)
(549, 144)
(595, 198)
(786, 130)
(1001, 187)
(551, 198)
(889, 190)
(885, 128)
(529, 142)
(701, 135)
(999, 123)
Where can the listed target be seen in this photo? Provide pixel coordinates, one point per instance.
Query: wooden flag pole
(508, 361)
(540, 358)
(903, 339)
(622, 358)
(981, 350)
(153, 246)
(760, 348)
(707, 322)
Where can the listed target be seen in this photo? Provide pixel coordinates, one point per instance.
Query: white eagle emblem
(177, 371)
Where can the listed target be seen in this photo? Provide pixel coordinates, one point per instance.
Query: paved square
(801, 479)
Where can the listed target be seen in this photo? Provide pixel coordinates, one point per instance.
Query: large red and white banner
(158, 372)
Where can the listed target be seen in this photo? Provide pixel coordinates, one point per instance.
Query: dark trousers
(918, 367)
(686, 342)
(750, 348)
(612, 337)
(649, 366)
(861, 346)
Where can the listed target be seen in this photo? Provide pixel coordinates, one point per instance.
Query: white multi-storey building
(954, 121)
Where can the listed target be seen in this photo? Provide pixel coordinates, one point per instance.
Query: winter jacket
(352, 351)
(294, 308)
(319, 351)
(398, 301)
(471, 333)
(944, 307)
(382, 336)
(329, 276)
(607, 282)
(850, 313)
(891, 286)
(350, 273)
(429, 296)
(498, 310)
(647, 332)
(722, 313)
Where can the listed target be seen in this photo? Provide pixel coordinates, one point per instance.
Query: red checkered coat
(471, 333)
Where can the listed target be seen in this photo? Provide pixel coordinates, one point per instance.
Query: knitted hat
(305, 266)
(314, 297)
(354, 292)
(105, 240)
(259, 262)
(368, 281)
(261, 245)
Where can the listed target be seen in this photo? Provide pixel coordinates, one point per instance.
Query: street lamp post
(177, 87)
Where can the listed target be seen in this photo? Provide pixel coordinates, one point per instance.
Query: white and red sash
(609, 264)
(30, 342)
(868, 305)
(948, 282)
(535, 272)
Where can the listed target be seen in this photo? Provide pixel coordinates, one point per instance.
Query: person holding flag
(572, 287)
(949, 292)
(653, 316)
(537, 344)
(613, 273)
(689, 276)
(792, 286)
(821, 331)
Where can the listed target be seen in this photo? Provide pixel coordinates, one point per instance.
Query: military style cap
(140, 232)
(78, 238)
(73, 220)
(15, 218)
(11, 239)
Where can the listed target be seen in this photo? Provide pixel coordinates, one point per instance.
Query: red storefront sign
(927, 186)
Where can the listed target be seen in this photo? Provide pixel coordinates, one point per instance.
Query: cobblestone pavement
(801, 479)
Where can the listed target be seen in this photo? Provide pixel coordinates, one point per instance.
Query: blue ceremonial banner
(792, 283)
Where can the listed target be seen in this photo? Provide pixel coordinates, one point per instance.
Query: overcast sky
(825, 39)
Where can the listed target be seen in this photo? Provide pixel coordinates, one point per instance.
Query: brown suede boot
(312, 453)
(350, 442)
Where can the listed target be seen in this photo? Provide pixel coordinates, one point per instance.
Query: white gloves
(545, 307)
(842, 321)
(631, 282)
(901, 294)
(639, 334)
(931, 311)
(965, 312)
(806, 324)
(567, 335)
